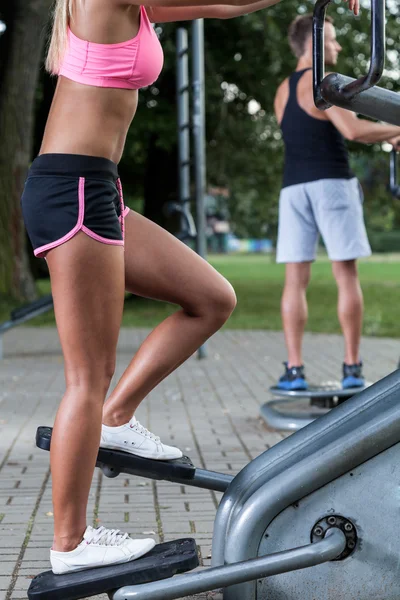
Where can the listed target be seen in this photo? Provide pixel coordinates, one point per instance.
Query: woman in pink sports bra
(103, 51)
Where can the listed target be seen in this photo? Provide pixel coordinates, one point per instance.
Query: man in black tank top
(320, 196)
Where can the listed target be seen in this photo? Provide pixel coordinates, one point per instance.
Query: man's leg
(350, 307)
(338, 208)
(296, 247)
(294, 309)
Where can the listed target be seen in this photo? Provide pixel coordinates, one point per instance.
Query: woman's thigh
(159, 266)
(87, 280)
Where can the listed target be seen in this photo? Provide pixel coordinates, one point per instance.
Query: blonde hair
(58, 42)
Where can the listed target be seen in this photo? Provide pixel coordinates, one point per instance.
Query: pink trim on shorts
(42, 250)
(122, 217)
(99, 238)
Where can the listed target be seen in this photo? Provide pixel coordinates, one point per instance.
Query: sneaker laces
(140, 429)
(105, 537)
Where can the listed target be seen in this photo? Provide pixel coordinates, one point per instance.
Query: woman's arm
(163, 11)
(164, 14)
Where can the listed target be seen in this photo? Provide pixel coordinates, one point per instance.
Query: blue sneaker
(353, 376)
(293, 379)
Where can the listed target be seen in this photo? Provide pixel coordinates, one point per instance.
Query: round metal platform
(325, 390)
(279, 413)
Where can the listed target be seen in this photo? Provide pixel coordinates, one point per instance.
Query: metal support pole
(182, 93)
(198, 124)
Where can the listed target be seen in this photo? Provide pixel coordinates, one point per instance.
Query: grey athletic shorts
(330, 207)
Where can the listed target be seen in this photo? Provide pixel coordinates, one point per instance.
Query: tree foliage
(20, 52)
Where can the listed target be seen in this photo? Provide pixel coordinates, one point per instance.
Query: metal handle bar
(209, 579)
(350, 89)
(377, 103)
(394, 185)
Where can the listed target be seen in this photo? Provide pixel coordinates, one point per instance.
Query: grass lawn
(258, 283)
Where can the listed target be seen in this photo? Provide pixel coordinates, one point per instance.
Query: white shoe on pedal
(136, 439)
(100, 547)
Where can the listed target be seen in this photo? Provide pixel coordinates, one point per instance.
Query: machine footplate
(123, 462)
(164, 561)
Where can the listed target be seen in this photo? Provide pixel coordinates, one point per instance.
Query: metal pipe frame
(281, 562)
(182, 95)
(376, 103)
(206, 480)
(199, 135)
(350, 89)
(199, 131)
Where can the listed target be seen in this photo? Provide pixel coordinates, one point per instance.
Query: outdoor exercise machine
(314, 517)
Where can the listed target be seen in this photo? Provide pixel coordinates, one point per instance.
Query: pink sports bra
(131, 65)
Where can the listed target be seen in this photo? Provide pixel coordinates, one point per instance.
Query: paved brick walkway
(209, 408)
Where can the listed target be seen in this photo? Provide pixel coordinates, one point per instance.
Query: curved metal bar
(394, 185)
(371, 435)
(319, 52)
(352, 88)
(209, 579)
(376, 102)
(299, 446)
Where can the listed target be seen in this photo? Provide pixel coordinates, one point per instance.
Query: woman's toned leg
(88, 281)
(159, 266)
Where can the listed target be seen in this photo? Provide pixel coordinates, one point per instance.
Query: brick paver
(209, 408)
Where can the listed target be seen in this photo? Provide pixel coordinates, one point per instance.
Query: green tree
(20, 51)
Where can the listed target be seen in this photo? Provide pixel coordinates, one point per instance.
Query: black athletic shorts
(67, 193)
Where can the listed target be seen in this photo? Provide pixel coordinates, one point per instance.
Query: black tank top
(314, 149)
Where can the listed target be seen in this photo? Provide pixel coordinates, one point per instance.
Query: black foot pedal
(323, 402)
(164, 561)
(118, 462)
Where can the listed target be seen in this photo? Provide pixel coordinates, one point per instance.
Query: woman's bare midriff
(89, 120)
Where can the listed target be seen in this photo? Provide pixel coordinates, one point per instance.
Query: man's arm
(164, 14)
(360, 130)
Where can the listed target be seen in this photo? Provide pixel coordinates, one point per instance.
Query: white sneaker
(100, 547)
(136, 439)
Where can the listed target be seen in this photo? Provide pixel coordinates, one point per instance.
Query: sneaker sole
(353, 383)
(119, 562)
(137, 453)
(294, 386)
